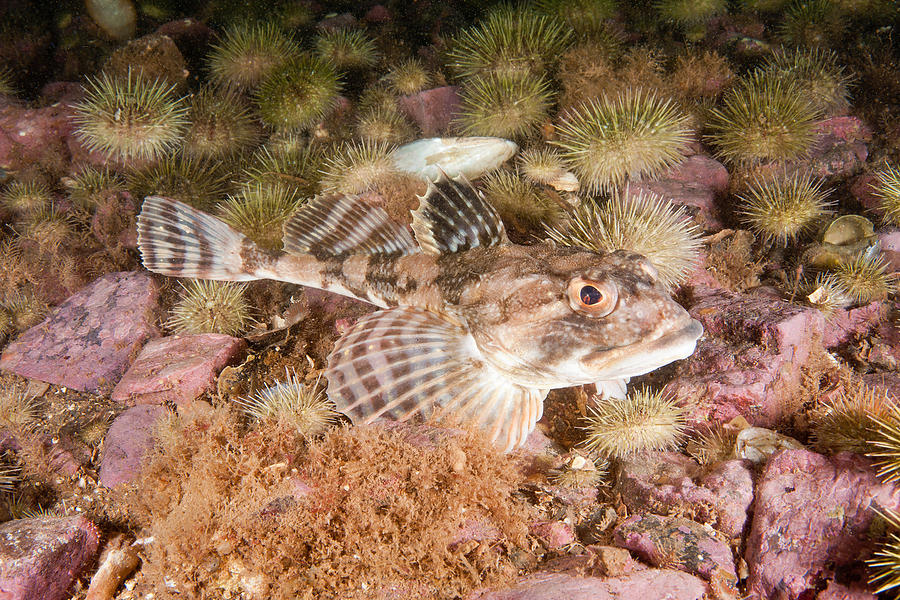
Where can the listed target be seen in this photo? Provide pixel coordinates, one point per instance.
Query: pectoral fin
(403, 361)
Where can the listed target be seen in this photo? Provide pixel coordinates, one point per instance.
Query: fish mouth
(643, 357)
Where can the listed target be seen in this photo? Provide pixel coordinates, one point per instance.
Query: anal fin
(400, 362)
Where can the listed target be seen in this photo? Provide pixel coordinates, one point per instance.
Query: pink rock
(177, 368)
(337, 22)
(836, 591)
(41, 558)
(665, 540)
(89, 341)
(720, 497)
(811, 517)
(432, 109)
(643, 585)
(35, 138)
(840, 149)
(553, 534)
(845, 325)
(188, 34)
(861, 188)
(695, 184)
(751, 356)
(126, 443)
(378, 14)
(889, 239)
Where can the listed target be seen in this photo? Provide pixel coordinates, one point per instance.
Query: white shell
(433, 158)
(118, 18)
(564, 181)
(757, 444)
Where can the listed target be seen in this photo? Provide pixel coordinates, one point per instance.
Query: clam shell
(436, 158)
(757, 444)
(564, 181)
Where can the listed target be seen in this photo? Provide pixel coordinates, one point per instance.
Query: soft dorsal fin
(334, 226)
(454, 216)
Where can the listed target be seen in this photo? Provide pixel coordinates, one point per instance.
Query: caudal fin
(180, 241)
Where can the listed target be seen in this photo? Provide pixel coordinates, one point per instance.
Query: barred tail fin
(180, 241)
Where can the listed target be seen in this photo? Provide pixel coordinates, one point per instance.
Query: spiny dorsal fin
(454, 216)
(335, 226)
(404, 361)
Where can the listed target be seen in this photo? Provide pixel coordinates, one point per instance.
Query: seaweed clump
(265, 513)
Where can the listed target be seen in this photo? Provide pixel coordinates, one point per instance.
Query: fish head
(569, 317)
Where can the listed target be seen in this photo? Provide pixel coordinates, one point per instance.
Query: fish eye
(594, 298)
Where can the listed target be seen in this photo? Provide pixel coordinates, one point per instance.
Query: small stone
(177, 368)
(811, 517)
(555, 535)
(432, 110)
(156, 56)
(695, 183)
(89, 340)
(129, 438)
(642, 585)
(676, 543)
(41, 558)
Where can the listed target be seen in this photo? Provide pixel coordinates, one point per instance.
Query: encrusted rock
(35, 138)
(553, 534)
(432, 110)
(836, 591)
(177, 368)
(126, 443)
(695, 183)
(845, 325)
(668, 481)
(811, 518)
(41, 558)
(750, 359)
(642, 585)
(89, 340)
(676, 543)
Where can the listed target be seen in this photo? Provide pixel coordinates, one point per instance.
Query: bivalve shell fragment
(435, 159)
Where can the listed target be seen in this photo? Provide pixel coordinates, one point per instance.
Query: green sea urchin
(580, 472)
(643, 421)
(90, 184)
(357, 167)
(610, 140)
(885, 437)
(827, 293)
(249, 53)
(384, 124)
(199, 183)
(690, 16)
(130, 117)
(712, 445)
(220, 125)
(845, 424)
(817, 73)
(511, 41)
(519, 203)
(25, 198)
(6, 83)
(408, 77)
(887, 189)
(763, 118)
(812, 23)
(299, 94)
(783, 206)
(866, 278)
(885, 561)
(347, 49)
(587, 18)
(289, 160)
(259, 211)
(210, 307)
(19, 409)
(544, 165)
(49, 228)
(645, 224)
(503, 105)
(302, 407)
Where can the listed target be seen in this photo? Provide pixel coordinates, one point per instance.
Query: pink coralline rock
(696, 183)
(126, 443)
(811, 518)
(658, 584)
(840, 149)
(889, 240)
(862, 189)
(35, 137)
(553, 534)
(662, 540)
(41, 558)
(177, 368)
(845, 325)
(749, 359)
(836, 591)
(671, 481)
(89, 340)
(432, 109)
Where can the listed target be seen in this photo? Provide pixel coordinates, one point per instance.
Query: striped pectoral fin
(404, 361)
(180, 241)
